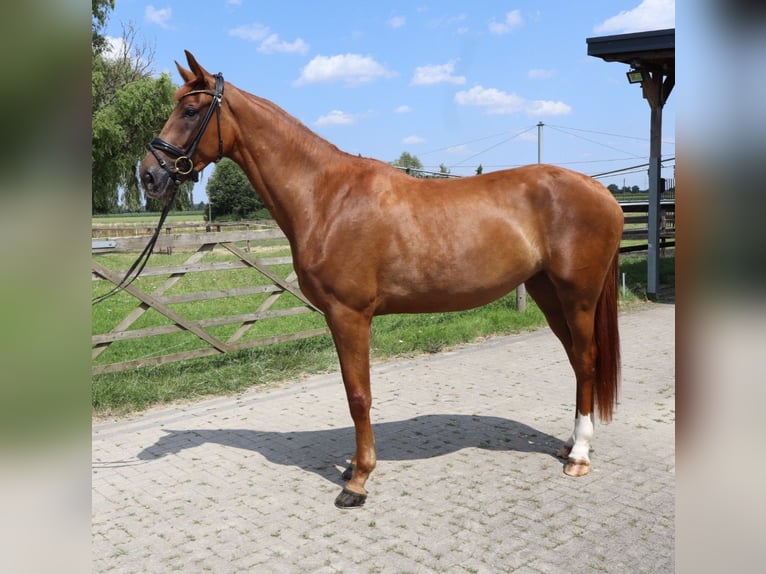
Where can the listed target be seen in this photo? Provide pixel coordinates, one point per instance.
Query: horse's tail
(607, 339)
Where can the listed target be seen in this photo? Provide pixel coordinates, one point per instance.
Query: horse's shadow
(320, 451)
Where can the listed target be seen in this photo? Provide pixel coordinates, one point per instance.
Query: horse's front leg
(351, 333)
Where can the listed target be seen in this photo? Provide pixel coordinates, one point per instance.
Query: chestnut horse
(368, 239)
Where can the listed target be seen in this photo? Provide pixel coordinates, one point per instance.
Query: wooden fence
(158, 290)
(637, 221)
(263, 286)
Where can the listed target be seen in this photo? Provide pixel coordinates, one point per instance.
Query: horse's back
(535, 205)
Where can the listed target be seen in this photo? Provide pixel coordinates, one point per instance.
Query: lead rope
(143, 258)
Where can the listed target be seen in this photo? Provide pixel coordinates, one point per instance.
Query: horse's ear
(198, 71)
(185, 74)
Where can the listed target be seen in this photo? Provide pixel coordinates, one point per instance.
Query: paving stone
(467, 479)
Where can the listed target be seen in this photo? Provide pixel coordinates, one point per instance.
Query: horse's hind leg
(583, 359)
(574, 328)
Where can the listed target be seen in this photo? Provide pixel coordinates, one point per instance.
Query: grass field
(396, 335)
(177, 217)
(393, 336)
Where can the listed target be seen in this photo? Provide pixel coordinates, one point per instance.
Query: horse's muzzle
(157, 182)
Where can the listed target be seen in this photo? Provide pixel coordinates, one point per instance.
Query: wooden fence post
(521, 298)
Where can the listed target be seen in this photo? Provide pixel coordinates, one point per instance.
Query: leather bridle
(183, 163)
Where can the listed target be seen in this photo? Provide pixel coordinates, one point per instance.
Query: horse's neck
(282, 158)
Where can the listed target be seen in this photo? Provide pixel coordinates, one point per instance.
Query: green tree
(127, 61)
(230, 193)
(99, 16)
(120, 132)
(614, 188)
(480, 169)
(407, 160)
(129, 107)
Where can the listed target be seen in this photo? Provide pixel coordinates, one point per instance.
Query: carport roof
(652, 50)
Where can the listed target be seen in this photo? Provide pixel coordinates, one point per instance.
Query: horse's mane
(297, 130)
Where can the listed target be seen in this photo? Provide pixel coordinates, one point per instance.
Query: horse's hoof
(348, 473)
(350, 499)
(576, 467)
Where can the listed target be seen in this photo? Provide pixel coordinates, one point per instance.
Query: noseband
(183, 163)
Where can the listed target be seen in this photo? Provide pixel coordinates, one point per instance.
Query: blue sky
(452, 82)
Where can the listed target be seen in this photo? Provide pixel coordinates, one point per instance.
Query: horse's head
(187, 143)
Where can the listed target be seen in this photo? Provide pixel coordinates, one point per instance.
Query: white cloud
(270, 42)
(546, 108)
(159, 16)
(336, 118)
(397, 21)
(429, 75)
(540, 74)
(447, 20)
(352, 69)
(273, 44)
(252, 32)
(495, 101)
(649, 15)
(413, 139)
(115, 48)
(458, 149)
(403, 109)
(513, 20)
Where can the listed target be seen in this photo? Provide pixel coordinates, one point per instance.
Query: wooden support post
(656, 89)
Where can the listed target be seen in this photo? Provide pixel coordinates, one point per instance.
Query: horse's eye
(190, 112)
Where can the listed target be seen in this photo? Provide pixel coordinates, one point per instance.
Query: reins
(183, 165)
(142, 259)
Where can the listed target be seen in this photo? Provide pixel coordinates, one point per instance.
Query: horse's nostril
(148, 179)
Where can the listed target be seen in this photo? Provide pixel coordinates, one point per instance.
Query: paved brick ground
(466, 478)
